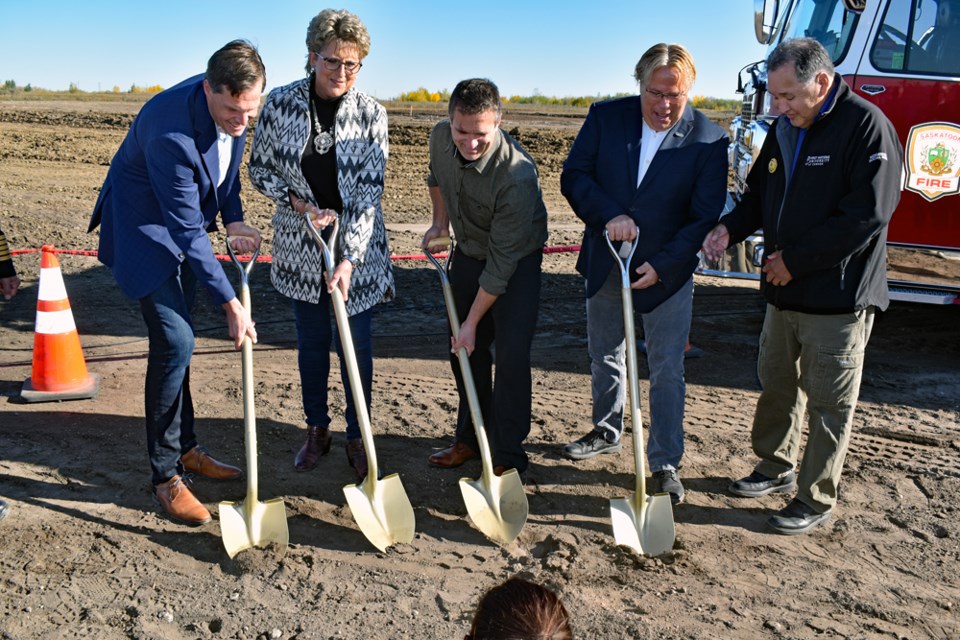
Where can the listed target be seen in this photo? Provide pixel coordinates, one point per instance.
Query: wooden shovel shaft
(349, 355)
(249, 409)
(473, 401)
(630, 343)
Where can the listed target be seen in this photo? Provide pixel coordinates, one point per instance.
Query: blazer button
(180, 255)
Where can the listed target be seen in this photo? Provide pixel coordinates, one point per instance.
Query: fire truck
(903, 56)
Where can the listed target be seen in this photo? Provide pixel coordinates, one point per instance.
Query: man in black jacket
(823, 189)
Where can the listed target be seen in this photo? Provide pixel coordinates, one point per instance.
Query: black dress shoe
(796, 518)
(590, 445)
(667, 481)
(756, 485)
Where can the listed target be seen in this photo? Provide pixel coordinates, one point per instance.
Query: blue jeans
(315, 330)
(167, 401)
(665, 329)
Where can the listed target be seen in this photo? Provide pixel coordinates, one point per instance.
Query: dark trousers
(167, 401)
(511, 323)
(315, 330)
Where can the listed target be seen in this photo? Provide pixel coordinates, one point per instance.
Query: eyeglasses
(659, 95)
(334, 64)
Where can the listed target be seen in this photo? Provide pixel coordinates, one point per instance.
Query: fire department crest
(933, 160)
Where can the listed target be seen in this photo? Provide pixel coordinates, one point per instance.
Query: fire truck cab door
(910, 68)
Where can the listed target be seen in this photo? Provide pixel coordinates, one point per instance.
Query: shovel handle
(622, 263)
(349, 354)
(249, 411)
(473, 400)
(244, 269)
(630, 340)
(440, 242)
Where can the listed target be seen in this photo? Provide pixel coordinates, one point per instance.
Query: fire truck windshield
(826, 20)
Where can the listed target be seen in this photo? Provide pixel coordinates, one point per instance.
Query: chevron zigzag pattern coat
(282, 133)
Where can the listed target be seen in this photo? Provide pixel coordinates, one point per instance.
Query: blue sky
(559, 48)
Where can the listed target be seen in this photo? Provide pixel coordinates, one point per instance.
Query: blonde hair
(666, 55)
(339, 25)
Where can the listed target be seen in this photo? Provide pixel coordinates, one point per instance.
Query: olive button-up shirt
(495, 204)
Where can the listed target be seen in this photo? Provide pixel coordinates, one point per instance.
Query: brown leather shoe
(317, 444)
(453, 456)
(179, 503)
(500, 469)
(199, 462)
(357, 457)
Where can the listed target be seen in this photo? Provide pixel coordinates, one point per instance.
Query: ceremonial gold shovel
(642, 522)
(496, 504)
(251, 523)
(380, 507)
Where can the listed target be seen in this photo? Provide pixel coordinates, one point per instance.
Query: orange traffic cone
(59, 371)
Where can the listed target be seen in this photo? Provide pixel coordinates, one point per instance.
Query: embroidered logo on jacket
(817, 161)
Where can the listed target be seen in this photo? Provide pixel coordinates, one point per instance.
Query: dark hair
(520, 610)
(237, 67)
(808, 56)
(473, 96)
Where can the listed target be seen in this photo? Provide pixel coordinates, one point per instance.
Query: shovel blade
(382, 511)
(648, 528)
(244, 525)
(499, 507)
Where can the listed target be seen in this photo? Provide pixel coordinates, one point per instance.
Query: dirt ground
(85, 554)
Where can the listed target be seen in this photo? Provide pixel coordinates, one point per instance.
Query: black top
(320, 169)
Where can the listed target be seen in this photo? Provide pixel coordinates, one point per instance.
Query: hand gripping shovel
(496, 504)
(251, 523)
(642, 522)
(380, 507)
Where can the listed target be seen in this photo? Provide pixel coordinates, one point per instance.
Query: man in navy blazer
(176, 169)
(648, 169)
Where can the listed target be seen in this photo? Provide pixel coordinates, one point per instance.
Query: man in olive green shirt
(484, 185)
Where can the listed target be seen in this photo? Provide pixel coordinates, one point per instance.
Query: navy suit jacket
(677, 203)
(161, 197)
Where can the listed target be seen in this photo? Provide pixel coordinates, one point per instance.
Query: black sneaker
(796, 518)
(667, 481)
(757, 484)
(590, 445)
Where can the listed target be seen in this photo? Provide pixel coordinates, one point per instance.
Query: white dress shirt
(224, 152)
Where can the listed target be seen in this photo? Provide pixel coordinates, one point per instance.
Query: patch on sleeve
(879, 155)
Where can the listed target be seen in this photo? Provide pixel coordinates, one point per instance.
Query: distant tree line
(11, 87)
(422, 94)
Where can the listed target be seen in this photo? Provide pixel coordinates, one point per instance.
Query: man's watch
(349, 258)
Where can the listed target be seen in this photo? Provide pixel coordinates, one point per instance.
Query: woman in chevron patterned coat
(320, 146)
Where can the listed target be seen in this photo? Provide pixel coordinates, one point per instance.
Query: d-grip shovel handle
(473, 401)
(346, 341)
(244, 270)
(630, 340)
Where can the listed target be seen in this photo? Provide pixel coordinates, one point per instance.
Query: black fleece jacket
(829, 218)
